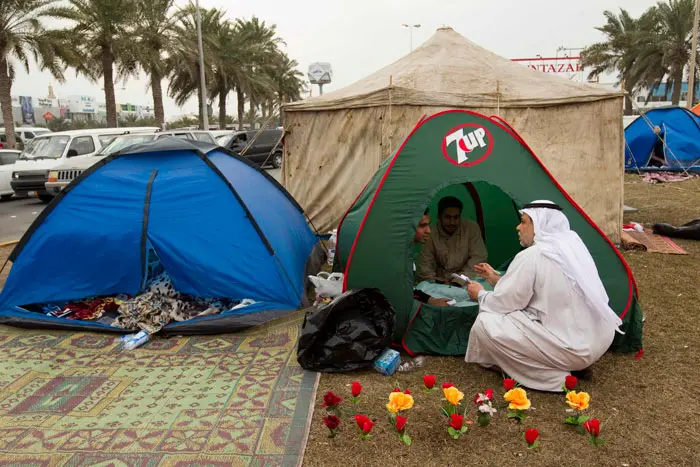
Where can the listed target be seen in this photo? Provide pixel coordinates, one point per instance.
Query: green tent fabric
(491, 169)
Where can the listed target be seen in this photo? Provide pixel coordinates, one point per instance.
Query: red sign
(553, 64)
(48, 116)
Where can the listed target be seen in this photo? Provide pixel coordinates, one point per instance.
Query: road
(18, 214)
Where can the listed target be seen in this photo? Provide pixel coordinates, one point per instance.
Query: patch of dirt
(647, 406)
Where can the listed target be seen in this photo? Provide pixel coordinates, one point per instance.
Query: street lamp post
(410, 29)
(202, 84)
(693, 55)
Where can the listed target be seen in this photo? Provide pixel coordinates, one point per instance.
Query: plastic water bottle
(132, 341)
(411, 365)
(331, 246)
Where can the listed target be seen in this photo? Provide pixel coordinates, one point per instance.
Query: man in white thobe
(549, 314)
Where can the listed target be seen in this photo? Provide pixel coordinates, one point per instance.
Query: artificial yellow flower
(578, 401)
(453, 395)
(399, 401)
(518, 399)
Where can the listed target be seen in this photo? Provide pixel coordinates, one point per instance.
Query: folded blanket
(631, 244)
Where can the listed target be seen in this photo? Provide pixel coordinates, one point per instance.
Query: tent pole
(693, 58)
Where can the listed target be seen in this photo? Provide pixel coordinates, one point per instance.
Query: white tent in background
(337, 141)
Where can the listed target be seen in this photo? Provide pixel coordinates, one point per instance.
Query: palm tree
(647, 50)
(262, 47)
(183, 63)
(230, 59)
(154, 35)
(619, 51)
(665, 51)
(100, 38)
(289, 82)
(22, 34)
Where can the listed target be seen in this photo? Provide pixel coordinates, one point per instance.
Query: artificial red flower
(447, 385)
(396, 390)
(456, 421)
(331, 421)
(361, 420)
(508, 384)
(570, 382)
(400, 423)
(356, 389)
(640, 354)
(429, 381)
(489, 393)
(476, 398)
(331, 399)
(531, 435)
(367, 426)
(592, 426)
(407, 391)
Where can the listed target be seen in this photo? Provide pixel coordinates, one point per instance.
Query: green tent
(491, 169)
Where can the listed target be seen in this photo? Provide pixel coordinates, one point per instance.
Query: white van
(22, 135)
(46, 152)
(63, 174)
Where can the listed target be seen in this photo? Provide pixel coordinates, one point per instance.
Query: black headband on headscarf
(543, 205)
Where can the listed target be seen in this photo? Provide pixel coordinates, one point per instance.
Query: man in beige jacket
(455, 246)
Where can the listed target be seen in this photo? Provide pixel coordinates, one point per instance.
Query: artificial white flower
(486, 408)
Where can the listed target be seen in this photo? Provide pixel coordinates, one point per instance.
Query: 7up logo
(467, 144)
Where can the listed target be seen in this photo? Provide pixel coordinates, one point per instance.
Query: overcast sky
(360, 36)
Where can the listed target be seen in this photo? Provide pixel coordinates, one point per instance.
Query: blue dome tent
(676, 147)
(220, 227)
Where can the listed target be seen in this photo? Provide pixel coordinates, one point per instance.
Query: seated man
(549, 314)
(454, 247)
(421, 236)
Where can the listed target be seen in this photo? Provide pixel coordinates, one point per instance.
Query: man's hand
(473, 289)
(487, 272)
(438, 301)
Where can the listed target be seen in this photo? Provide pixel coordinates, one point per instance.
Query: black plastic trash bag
(348, 333)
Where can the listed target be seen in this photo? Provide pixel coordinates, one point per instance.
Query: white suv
(64, 174)
(43, 153)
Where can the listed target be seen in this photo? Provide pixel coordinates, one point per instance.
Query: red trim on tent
(342, 219)
(374, 198)
(410, 323)
(502, 124)
(630, 277)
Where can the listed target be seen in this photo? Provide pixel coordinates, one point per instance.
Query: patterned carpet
(77, 399)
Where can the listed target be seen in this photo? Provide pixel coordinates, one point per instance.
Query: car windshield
(48, 147)
(122, 142)
(224, 140)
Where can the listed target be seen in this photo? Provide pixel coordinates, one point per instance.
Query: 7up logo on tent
(467, 144)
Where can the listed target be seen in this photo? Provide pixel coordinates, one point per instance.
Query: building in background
(660, 96)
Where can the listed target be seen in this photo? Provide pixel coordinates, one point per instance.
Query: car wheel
(277, 160)
(6, 197)
(46, 198)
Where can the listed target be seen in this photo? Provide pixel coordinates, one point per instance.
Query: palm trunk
(157, 88)
(677, 83)
(241, 106)
(6, 103)
(222, 104)
(108, 73)
(253, 108)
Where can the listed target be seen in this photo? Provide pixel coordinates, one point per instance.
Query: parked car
(265, 149)
(45, 152)
(7, 164)
(62, 175)
(23, 134)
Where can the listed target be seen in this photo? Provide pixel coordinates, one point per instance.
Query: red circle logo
(467, 144)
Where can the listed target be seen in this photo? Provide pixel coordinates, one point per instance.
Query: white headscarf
(563, 246)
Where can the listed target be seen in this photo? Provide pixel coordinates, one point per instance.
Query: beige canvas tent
(336, 141)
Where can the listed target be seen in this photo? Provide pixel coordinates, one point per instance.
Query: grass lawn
(647, 406)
